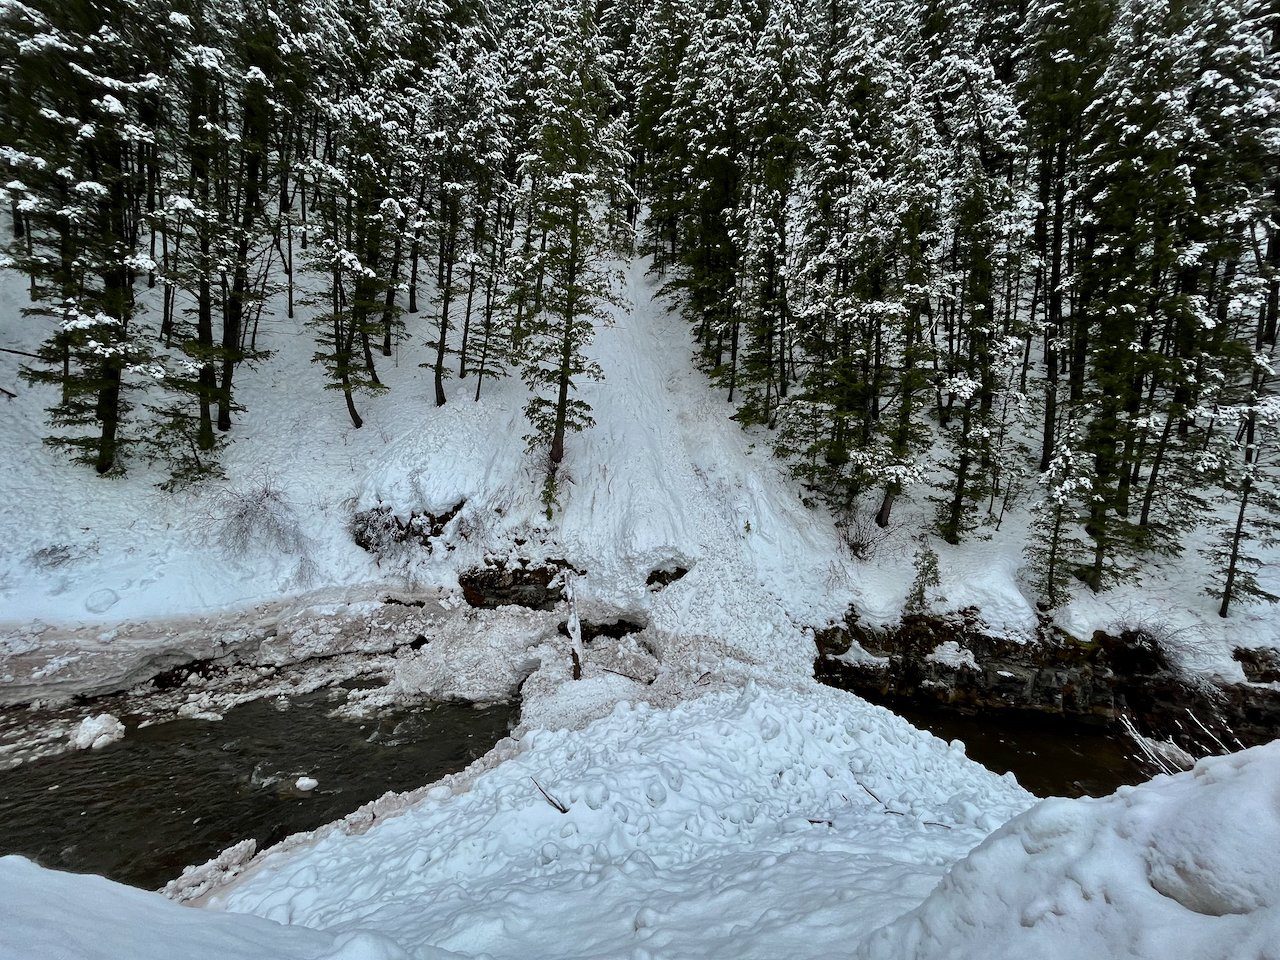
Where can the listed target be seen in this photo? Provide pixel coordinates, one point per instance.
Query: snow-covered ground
(1184, 866)
(753, 823)
(63, 916)
(665, 479)
(695, 794)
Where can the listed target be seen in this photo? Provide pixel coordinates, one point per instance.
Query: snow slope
(758, 823)
(717, 801)
(666, 479)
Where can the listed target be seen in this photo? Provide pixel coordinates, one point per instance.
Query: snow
(102, 920)
(756, 823)
(94, 733)
(665, 479)
(949, 653)
(717, 802)
(1183, 866)
(306, 784)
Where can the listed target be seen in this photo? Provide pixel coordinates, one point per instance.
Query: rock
(664, 577)
(837, 638)
(616, 629)
(1260, 664)
(380, 531)
(514, 584)
(100, 601)
(1098, 680)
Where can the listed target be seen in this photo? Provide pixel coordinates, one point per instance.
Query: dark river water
(178, 793)
(1050, 756)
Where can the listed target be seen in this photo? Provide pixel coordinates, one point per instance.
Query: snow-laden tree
(572, 177)
(79, 121)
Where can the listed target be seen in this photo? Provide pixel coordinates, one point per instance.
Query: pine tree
(80, 88)
(1055, 546)
(572, 172)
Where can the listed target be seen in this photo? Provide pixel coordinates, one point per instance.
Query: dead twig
(896, 813)
(549, 798)
(627, 675)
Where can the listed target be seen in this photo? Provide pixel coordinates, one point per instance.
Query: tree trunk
(1236, 536)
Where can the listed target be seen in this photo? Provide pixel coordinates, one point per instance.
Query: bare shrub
(377, 530)
(259, 518)
(864, 538)
(1179, 645)
(380, 531)
(55, 555)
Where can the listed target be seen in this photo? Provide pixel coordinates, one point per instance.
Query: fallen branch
(872, 795)
(627, 675)
(896, 813)
(9, 393)
(549, 798)
(21, 353)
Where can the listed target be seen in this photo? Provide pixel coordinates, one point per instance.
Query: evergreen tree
(571, 176)
(78, 112)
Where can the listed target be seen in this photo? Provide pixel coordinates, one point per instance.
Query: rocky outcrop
(519, 583)
(664, 577)
(956, 661)
(1259, 664)
(380, 531)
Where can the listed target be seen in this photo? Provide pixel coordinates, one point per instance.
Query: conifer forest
(1034, 244)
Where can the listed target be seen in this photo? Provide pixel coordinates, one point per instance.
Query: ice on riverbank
(94, 733)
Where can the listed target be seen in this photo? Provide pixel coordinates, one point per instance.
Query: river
(179, 792)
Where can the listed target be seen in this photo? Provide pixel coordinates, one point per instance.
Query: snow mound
(1183, 866)
(762, 822)
(98, 919)
(94, 733)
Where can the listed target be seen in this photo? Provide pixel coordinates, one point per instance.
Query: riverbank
(1129, 682)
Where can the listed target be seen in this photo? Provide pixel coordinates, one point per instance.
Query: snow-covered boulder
(94, 733)
(1183, 866)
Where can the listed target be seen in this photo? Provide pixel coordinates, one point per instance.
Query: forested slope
(1013, 264)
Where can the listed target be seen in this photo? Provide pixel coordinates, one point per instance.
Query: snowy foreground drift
(1183, 866)
(767, 823)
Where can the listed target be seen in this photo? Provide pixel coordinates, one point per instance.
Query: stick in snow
(549, 798)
